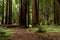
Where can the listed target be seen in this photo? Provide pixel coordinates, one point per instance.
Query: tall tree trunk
(3, 12)
(28, 8)
(23, 13)
(35, 14)
(20, 11)
(10, 12)
(6, 17)
(56, 12)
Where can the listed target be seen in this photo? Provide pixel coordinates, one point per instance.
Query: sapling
(40, 29)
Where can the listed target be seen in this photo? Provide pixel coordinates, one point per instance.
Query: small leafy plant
(40, 29)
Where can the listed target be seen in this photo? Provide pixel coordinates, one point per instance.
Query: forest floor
(22, 34)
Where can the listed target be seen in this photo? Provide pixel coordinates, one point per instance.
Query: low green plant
(40, 29)
(4, 32)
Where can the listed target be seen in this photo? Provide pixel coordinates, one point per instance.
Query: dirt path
(22, 34)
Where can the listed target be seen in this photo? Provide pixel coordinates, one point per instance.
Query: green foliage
(45, 28)
(4, 33)
(15, 10)
(36, 29)
(52, 28)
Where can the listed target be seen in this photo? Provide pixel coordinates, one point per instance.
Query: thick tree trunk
(23, 13)
(10, 12)
(35, 14)
(56, 12)
(3, 12)
(6, 17)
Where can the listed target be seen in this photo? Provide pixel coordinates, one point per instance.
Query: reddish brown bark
(35, 14)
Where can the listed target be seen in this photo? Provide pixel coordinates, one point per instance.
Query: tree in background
(10, 12)
(35, 13)
(56, 12)
(28, 11)
(6, 15)
(8, 18)
(17, 12)
(2, 12)
(23, 12)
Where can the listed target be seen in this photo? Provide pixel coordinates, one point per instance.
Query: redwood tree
(23, 12)
(56, 12)
(10, 12)
(6, 16)
(3, 12)
(35, 14)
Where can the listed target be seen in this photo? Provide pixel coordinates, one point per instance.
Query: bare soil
(22, 34)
